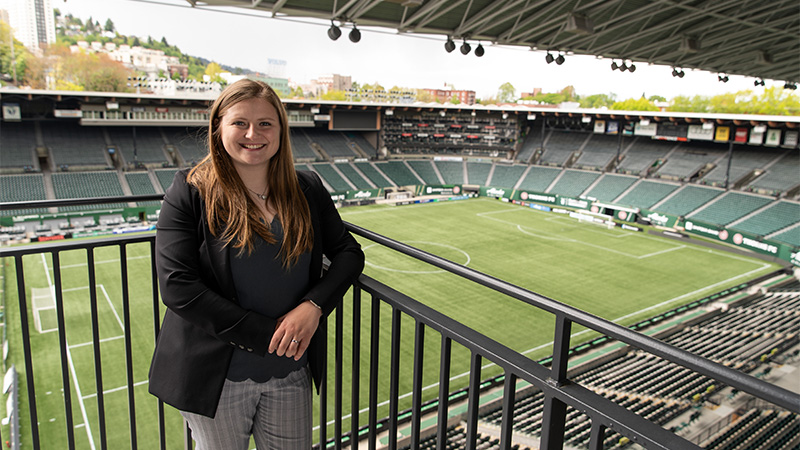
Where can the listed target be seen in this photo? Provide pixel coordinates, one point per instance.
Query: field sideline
(619, 275)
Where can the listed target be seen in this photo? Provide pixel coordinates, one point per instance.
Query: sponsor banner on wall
(599, 126)
(440, 189)
(790, 139)
(740, 135)
(756, 137)
(526, 196)
(495, 192)
(723, 134)
(574, 202)
(740, 239)
(698, 133)
(645, 130)
(613, 127)
(363, 194)
(773, 137)
(12, 112)
(659, 219)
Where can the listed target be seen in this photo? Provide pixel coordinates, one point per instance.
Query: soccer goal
(43, 303)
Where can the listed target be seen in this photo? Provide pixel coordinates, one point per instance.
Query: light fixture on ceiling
(790, 85)
(334, 32)
(759, 82)
(449, 46)
(465, 47)
(549, 58)
(614, 65)
(479, 51)
(678, 73)
(354, 35)
(631, 67)
(560, 59)
(723, 78)
(623, 67)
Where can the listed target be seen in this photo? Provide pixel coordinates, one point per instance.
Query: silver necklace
(261, 196)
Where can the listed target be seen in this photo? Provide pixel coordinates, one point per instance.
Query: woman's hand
(294, 331)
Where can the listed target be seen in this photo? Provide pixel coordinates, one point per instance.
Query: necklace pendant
(263, 197)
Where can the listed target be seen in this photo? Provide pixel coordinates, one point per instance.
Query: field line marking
(121, 388)
(113, 309)
(108, 261)
(72, 368)
(101, 340)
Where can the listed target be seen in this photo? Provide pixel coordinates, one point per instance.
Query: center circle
(382, 260)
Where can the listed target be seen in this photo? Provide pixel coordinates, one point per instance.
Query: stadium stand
(362, 143)
(73, 146)
(22, 188)
(688, 161)
(332, 142)
(610, 187)
(539, 178)
(331, 176)
(425, 170)
(165, 177)
(646, 194)
(149, 144)
(532, 142)
(398, 172)
(743, 162)
(190, 143)
(351, 174)
(791, 236)
(87, 185)
(478, 172)
(506, 176)
(777, 216)
(729, 207)
(687, 199)
(18, 141)
(641, 155)
(573, 182)
(452, 171)
(560, 145)
(598, 153)
(140, 184)
(301, 146)
(781, 175)
(377, 178)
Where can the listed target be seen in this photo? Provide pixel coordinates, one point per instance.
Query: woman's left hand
(294, 331)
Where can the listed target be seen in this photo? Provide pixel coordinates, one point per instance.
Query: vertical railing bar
(375, 329)
(394, 378)
(337, 393)
(26, 348)
(355, 384)
(323, 400)
(444, 392)
(126, 320)
(555, 411)
(509, 394)
(63, 347)
(474, 400)
(416, 396)
(162, 427)
(98, 367)
(596, 435)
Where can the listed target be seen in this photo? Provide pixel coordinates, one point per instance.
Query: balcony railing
(357, 327)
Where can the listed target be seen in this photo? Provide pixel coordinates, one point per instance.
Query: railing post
(474, 400)
(64, 347)
(596, 435)
(555, 411)
(416, 400)
(337, 392)
(355, 384)
(394, 379)
(27, 351)
(375, 334)
(444, 392)
(126, 315)
(509, 394)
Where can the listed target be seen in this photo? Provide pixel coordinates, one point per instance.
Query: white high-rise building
(33, 22)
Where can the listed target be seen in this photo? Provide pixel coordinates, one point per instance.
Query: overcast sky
(247, 38)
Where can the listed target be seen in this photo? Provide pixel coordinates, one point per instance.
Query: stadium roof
(743, 37)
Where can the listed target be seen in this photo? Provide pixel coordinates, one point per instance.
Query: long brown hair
(231, 213)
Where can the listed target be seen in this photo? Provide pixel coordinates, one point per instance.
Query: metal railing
(559, 391)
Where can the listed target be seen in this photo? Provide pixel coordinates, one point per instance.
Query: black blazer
(204, 322)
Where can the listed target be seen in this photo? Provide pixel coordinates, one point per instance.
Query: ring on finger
(295, 341)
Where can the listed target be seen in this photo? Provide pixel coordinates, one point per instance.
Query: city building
(33, 22)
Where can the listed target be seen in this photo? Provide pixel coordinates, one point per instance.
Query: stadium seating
(87, 185)
(791, 236)
(165, 177)
(646, 194)
(377, 178)
(332, 142)
(18, 141)
(190, 142)
(301, 146)
(598, 153)
(426, 171)
(641, 155)
(478, 172)
(350, 173)
(398, 172)
(140, 184)
(539, 178)
(332, 177)
(687, 200)
(149, 144)
(780, 176)
(743, 162)
(74, 146)
(560, 145)
(572, 183)
(610, 187)
(362, 143)
(452, 171)
(729, 207)
(22, 188)
(506, 176)
(532, 141)
(778, 216)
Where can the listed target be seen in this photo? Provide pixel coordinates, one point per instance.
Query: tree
(597, 101)
(656, 98)
(9, 66)
(164, 41)
(506, 93)
(213, 70)
(640, 104)
(136, 42)
(334, 94)
(683, 103)
(568, 93)
(109, 26)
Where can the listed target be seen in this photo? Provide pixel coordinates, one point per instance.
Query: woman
(239, 247)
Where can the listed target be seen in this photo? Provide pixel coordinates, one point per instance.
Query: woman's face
(251, 133)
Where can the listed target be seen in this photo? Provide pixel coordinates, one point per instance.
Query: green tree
(597, 101)
(550, 98)
(506, 93)
(683, 103)
(8, 65)
(136, 42)
(213, 70)
(334, 94)
(656, 98)
(631, 104)
(109, 26)
(568, 93)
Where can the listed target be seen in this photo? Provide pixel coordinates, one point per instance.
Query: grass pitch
(615, 274)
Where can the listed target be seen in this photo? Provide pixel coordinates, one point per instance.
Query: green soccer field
(619, 275)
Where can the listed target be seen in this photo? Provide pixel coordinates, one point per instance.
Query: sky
(248, 39)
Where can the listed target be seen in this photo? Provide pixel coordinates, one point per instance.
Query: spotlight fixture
(623, 67)
(677, 73)
(465, 47)
(614, 65)
(632, 67)
(334, 32)
(449, 46)
(722, 78)
(354, 35)
(549, 58)
(560, 59)
(479, 50)
(790, 85)
(758, 83)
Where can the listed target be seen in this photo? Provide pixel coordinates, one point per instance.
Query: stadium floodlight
(790, 85)
(632, 67)
(465, 47)
(479, 50)
(355, 35)
(722, 78)
(549, 58)
(560, 59)
(678, 73)
(449, 46)
(614, 65)
(623, 67)
(334, 32)
(758, 82)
